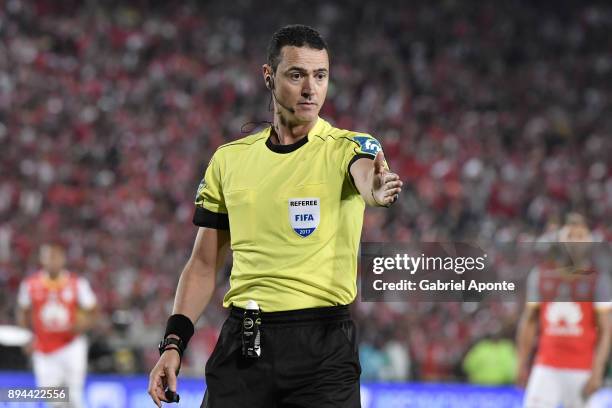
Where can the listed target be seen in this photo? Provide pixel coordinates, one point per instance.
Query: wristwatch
(163, 345)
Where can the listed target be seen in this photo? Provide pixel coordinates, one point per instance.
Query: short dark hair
(297, 35)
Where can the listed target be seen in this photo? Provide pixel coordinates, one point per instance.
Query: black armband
(181, 326)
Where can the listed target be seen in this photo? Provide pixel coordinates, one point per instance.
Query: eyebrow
(302, 70)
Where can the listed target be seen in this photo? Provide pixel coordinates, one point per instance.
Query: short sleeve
(533, 292)
(603, 292)
(85, 295)
(362, 146)
(210, 210)
(23, 297)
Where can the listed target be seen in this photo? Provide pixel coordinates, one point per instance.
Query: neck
(286, 133)
(54, 275)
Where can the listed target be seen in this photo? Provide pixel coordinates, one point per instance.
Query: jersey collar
(316, 129)
(54, 283)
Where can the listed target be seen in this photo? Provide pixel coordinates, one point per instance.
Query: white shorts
(550, 387)
(65, 367)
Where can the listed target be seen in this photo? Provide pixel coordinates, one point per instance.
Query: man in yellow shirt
(289, 200)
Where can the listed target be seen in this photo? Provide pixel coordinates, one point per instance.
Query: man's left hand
(84, 321)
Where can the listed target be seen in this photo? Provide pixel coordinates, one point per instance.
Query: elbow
(199, 266)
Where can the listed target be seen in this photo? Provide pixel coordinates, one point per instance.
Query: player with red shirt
(58, 307)
(571, 304)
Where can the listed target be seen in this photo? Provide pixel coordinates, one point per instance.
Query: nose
(307, 89)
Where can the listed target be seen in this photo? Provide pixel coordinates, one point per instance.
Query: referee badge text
(304, 214)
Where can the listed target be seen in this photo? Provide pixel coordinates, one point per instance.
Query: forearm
(602, 351)
(363, 176)
(22, 318)
(525, 340)
(365, 189)
(195, 288)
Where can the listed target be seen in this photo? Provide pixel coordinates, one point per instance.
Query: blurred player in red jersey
(59, 307)
(574, 338)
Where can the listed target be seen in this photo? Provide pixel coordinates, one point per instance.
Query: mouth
(307, 104)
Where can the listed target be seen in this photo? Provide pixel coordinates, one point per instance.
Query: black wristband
(170, 343)
(181, 326)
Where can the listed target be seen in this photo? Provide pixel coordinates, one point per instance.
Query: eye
(295, 76)
(321, 75)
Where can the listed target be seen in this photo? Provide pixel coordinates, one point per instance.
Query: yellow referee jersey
(294, 216)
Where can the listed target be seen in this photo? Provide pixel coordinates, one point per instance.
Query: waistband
(314, 315)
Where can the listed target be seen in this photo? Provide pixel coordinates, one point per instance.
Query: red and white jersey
(54, 305)
(568, 335)
(568, 329)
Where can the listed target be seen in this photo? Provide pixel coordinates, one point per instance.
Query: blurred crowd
(496, 116)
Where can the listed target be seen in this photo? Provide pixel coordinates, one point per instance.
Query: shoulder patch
(367, 144)
(201, 188)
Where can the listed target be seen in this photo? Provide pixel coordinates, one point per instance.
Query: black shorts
(309, 359)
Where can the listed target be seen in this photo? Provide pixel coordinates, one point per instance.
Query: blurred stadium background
(495, 114)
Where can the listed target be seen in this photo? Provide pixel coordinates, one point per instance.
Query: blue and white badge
(304, 214)
(368, 144)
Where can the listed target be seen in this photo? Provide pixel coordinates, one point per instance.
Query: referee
(289, 201)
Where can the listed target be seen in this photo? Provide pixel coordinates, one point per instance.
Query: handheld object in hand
(171, 396)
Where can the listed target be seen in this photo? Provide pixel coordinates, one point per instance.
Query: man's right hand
(164, 375)
(28, 348)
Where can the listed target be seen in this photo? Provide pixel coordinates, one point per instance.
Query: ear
(267, 75)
